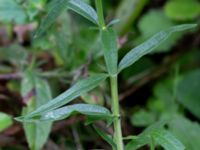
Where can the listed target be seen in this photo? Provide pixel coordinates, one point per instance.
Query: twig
(10, 76)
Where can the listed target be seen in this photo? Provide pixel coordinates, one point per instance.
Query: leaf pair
(109, 44)
(50, 111)
(58, 6)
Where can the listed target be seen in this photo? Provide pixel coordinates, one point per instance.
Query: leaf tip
(19, 119)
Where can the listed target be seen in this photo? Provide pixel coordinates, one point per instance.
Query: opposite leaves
(75, 91)
(148, 46)
(58, 6)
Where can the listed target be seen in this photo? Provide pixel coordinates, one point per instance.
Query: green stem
(114, 88)
(152, 144)
(115, 109)
(100, 14)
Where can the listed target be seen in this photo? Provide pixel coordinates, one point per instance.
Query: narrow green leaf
(58, 7)
(85, 109)
(109, 43)
(148, 46)
(106, 137)
(84, 9)
(188, 92)
(5, 121)
(75, 91)
(36, 132)
(113, 22)
(167, 140)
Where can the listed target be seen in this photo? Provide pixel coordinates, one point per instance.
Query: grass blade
(148, 46)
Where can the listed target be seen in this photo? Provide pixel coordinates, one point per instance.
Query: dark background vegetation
(164, 84)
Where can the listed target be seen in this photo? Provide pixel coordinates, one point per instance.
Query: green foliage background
(44, 52)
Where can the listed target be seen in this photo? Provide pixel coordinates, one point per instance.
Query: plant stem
(100, 14)
(115, 109)
(152, 144)
(114, 88)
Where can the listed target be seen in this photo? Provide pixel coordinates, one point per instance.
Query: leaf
(179, 125)
(106, 137)
(160, 136)
(182, 10)
(85, 109)
(154, 16)
(63, 40)
(109, 44)
(58, 7)
(167, 140)
(36, 132)
(188, 92)
(75, 91)
(113, 22)
(148, 46)
(11, 11)
(5, 121)
(84, 10)
(145, 137)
